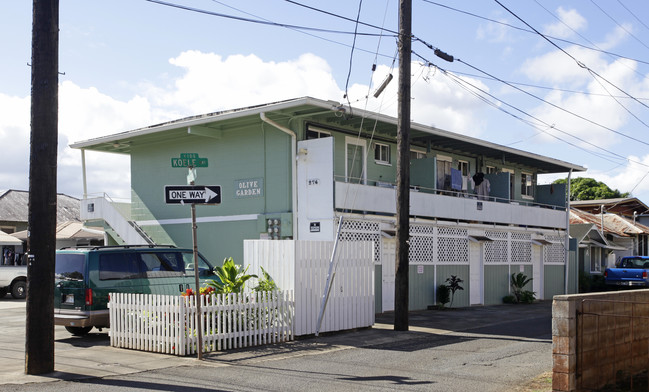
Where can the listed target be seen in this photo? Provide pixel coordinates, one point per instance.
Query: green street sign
(189, 159)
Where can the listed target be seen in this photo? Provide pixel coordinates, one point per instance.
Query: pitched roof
(69, 230)
(623, 206)
(14, 207)
(325, 112)
(612, 223)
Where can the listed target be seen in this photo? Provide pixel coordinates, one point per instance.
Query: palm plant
(231, 279)
(518, 282)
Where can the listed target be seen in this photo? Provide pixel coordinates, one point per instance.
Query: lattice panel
(554, 253)
(452, 231)
(521, 251)
(355, 230)
(421, 249)
(497, 235)
(452, 250)
(521, 236)
(422, 229)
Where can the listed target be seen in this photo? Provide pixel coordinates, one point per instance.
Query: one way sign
(193, 194)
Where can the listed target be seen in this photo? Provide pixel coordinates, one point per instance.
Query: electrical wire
(631, 12)
(579, 63)
(533, 32)
(351, 54)
(620, 25)
(475, 88)
(259, 21)
(559, 107)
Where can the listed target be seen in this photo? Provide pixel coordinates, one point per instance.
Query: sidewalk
(92, 356)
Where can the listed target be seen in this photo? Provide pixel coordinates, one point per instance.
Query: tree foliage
(584, 188)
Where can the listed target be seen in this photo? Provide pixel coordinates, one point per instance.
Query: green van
(84, 276)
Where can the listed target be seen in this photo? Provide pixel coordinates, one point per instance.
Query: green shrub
(453, 284)
(443, 294)
(509, 299)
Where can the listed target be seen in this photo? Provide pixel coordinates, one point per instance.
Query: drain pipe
(265, 119)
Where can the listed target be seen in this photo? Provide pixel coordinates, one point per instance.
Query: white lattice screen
(357, 230)
(422, 242)
(521, 248)
(497, 251)
(555, 253)
(452, 245)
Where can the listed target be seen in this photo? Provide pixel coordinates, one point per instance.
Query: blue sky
(131, 63)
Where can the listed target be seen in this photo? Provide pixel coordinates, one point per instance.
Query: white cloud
(632, 177)
(212, 83)
(493, 32)
(436, 100)
(570, 23)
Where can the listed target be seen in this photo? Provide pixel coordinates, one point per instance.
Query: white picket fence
(167, 324)
(302, 266)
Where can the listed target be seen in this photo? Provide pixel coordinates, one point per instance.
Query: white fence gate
(167, 324)
(302, 266)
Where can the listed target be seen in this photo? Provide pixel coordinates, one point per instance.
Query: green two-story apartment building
(293, 169)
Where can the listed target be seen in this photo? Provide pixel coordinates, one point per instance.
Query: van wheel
(78, 331)
(19, 290)
(3, 292)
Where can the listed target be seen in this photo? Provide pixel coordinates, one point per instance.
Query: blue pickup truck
(629, 271)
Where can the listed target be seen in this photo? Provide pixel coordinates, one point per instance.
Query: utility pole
(39, 336)
(403, 169)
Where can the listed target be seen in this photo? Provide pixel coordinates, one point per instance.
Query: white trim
(357, 142)
(228, 218)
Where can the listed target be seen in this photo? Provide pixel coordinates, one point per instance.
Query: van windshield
(70, 267)
(204, 267)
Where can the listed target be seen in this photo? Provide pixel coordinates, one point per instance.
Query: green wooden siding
(496, 283)
(462, 272)
(251, 152)
(421, 287)
(554, 283)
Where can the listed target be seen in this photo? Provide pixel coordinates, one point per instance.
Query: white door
(388, 268)
(537, 270)
(476, 275)
(355, 159)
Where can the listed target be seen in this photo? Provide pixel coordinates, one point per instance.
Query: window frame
(527, 191)
(379, 148)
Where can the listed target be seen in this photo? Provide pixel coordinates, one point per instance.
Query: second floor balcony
(547, 209)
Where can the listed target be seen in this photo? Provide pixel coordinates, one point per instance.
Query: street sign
(193, 194)
(189, 159)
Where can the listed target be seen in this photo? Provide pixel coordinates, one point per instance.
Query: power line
(260, 21)
(631, 12)
(557, 106)
(582, 65)
(533, 32)
(619, 25)
(583, 37)
(351, 54)
(464, 83)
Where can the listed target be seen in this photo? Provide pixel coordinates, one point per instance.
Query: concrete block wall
(599, 338)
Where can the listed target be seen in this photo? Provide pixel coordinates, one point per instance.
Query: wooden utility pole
(39, 336)
(403, 169)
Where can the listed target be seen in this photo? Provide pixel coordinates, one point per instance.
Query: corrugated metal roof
(613, 224)
(14, 207)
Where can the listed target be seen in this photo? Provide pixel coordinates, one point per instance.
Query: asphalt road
(492, 348)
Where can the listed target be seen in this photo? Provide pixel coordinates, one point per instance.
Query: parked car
(629, 271)
(13, 279)
(84, 277)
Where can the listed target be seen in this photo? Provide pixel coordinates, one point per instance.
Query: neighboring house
(293, 169)
(14, 215)
(72, 234)
(606, 231)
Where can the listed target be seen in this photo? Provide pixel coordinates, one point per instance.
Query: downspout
(567, 232)
(83, 173)
(265, 119)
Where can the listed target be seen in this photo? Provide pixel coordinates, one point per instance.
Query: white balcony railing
(452, 206)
